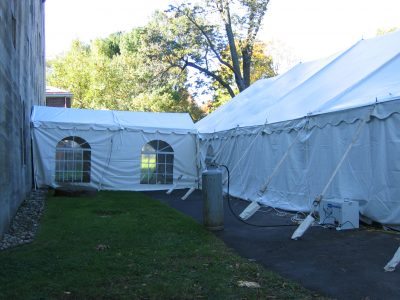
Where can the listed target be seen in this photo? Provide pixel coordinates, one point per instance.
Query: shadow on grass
(124, 245)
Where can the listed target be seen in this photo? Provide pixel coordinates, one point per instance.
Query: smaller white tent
(113, 150)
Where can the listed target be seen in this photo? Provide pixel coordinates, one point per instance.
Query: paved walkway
(339, 264)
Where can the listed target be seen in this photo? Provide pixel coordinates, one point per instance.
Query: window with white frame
(157, 163)
(73, 160)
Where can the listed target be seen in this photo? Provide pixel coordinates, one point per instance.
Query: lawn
(124, 245)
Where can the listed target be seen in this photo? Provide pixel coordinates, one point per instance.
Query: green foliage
(124, 245)
(109, 46)
(115, 73)
(216, 38)
(262, 67)
(382, 31)
(148, 68)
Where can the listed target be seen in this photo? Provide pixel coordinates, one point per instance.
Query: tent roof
(68, 118)
(56, 92)
(366, 73)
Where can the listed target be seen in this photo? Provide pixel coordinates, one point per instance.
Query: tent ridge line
(335, 59)
(353, 86)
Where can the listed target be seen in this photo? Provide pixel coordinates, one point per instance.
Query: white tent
(283, 137)
(113, 150)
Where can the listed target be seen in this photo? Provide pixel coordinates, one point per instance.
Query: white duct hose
(188, 193)
(171, 189)
(391, 265)
(307, 222)
(249, 210)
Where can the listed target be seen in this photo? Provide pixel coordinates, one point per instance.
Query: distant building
(22, 85)
(56, 97)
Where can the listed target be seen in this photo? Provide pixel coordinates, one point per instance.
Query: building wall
(58, 101)
(22, 84)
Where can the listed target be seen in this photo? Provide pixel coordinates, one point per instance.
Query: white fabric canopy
(317, 107)
(179, 123)
(116, 140)
(363, 74)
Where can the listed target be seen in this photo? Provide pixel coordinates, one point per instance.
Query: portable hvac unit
(343, 214)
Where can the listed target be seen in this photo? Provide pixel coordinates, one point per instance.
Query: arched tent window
(73, 160)
(157, 163)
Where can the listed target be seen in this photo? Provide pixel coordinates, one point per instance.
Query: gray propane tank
(213, 206)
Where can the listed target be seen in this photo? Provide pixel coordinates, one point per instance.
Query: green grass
(124, 245)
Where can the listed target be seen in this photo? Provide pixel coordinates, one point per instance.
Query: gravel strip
(26, 221)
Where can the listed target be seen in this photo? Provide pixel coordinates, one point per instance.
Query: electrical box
(343, 214)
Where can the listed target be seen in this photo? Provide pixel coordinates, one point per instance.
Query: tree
(114, 73)
(196, 36)
(261, 67)
(383, 31)
(71, 72)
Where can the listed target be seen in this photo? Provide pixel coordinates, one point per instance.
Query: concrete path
(339, 264)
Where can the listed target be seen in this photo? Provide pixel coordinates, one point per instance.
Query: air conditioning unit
(343, 214)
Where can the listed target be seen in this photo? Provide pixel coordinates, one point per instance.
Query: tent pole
(107, 164)
(310, 219)
(244, 154)
(252, 208)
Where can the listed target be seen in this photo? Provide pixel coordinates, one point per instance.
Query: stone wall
(22, 84)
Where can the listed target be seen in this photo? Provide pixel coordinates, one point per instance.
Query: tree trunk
(246, 64)
(232, 47)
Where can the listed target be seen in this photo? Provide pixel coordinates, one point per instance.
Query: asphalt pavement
(346, 264)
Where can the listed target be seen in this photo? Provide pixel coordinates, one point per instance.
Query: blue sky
(304, 29)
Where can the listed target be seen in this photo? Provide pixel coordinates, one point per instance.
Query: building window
(157, 163)
(73, 159)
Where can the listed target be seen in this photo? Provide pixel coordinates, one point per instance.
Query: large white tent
(283, 137)
(113, 150)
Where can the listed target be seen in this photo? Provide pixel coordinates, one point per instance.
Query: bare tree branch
(209, 42)
(218, 78)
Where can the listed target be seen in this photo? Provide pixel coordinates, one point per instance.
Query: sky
(300, 30)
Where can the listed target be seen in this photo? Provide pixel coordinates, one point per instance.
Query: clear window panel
(169, 179)
(73, 160)
(157, 163)
(152, 179)
(161, 178)
(169, 168)
(170, 159)
(161, 158)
